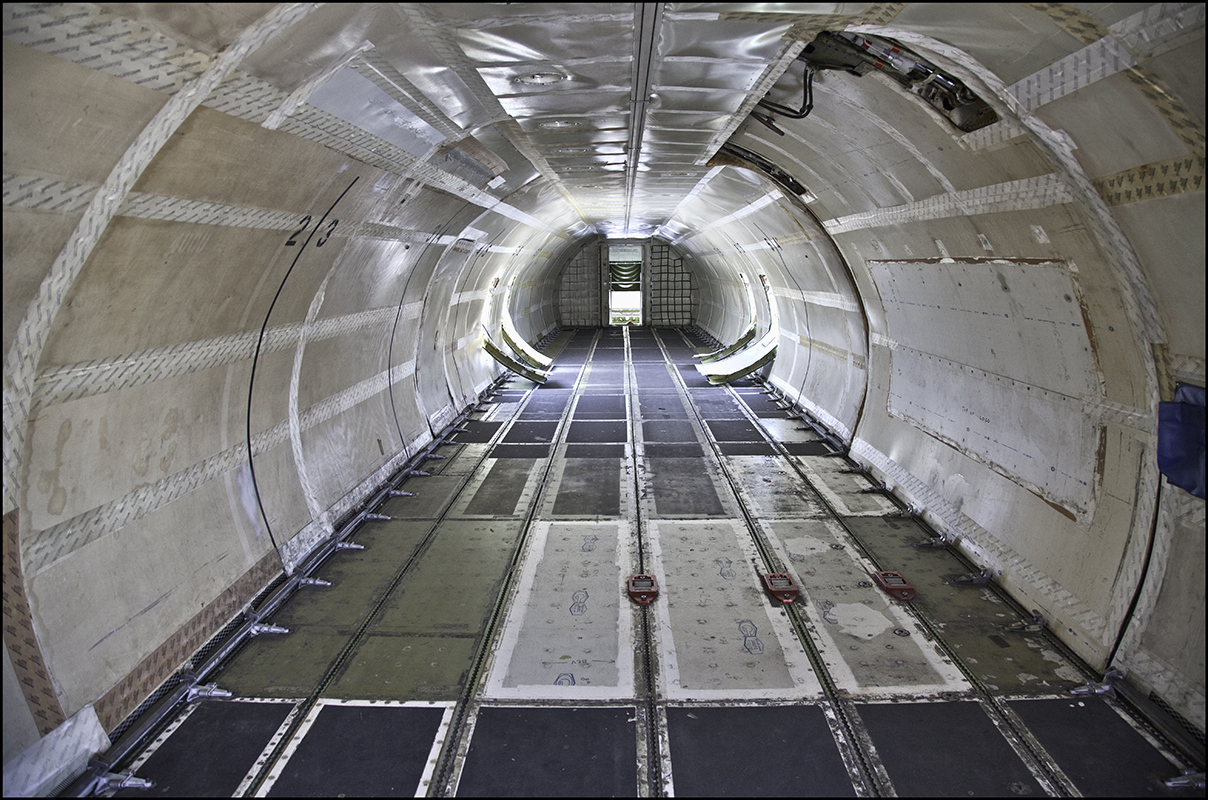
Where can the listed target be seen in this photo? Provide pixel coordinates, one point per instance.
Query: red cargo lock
(895, 584)
(781, 586)
(643, 589)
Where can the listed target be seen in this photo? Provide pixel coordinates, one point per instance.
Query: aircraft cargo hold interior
(655, 399)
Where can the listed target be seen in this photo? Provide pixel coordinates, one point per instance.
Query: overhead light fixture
(540, 78)
(560, 124)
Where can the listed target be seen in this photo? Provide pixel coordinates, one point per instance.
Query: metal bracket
(349, 546)
(378, 516)
(907, 512)
(209, 690)
(112, 781)
(985, 576)
(313, 582)
(937, 542)
(1036, 623)
(1106, 687)
(399, 493)
(419, 474)
(1189, 779)
(433, 457)
(258, 629)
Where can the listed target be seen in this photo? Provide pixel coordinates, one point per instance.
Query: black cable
(255, 360)
(807, 99)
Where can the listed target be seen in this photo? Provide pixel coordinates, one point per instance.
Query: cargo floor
(483, 642)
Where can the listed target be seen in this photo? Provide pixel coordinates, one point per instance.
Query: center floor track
(482, 642)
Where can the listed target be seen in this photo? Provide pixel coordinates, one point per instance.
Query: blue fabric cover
(1181, 439)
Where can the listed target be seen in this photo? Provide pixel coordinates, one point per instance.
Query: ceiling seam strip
(34, 330)
(649, 19)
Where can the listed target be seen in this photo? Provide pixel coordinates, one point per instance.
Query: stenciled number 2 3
(304, 224)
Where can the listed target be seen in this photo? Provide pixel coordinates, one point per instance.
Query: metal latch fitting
(1106, 687)
(894, 584)
(781, 586)
(643, 589)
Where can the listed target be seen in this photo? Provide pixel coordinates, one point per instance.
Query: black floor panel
(589, 488)
(692, 378)
(657, 450)
(655, 382)
(529, 415)
(501, 489)
(361, 751)
(519, 451)
(779, 751)
(716, 404)
(945, 750)
(595, 451)
(682, 488)
(661, 406)
(1101, 753)
(673, 430)
(531, 433)
(588, 432)
(477, 431)
(816, 448)
(605, 406)
(212, 751)
(734, 430)
(551, 752)
(746, 449)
